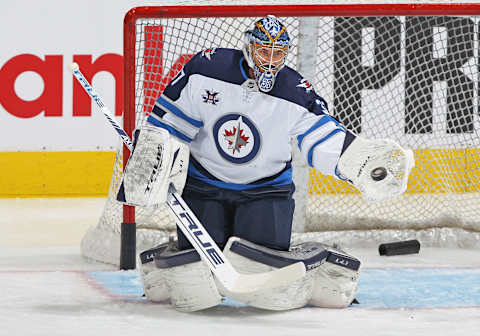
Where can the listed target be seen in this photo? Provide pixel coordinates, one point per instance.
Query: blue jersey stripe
(169, 128)
(158, 111)
(325, 119)
(242, 70)
(179, 113)
(310, 151)
(283, 179)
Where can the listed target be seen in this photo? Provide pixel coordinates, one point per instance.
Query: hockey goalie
(220, 134)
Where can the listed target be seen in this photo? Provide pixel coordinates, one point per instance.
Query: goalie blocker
(158, 160)
(180, 276)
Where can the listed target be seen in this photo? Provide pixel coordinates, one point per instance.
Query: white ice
(49, 289)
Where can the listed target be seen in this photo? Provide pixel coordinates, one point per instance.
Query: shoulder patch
(207, 53)
(211, 97)
(305, 84)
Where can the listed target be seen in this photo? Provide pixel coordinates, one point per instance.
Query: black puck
(398, 248)
(378, 173)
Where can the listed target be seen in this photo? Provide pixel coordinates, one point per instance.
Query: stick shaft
(106, 112)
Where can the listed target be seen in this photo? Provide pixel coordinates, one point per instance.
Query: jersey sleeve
(173, 109)
(321, 138)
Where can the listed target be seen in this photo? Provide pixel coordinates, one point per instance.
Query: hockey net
(404, 72)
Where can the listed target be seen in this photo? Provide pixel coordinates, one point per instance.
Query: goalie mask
(266, 48)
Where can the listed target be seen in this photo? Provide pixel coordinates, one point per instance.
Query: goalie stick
(196, 233)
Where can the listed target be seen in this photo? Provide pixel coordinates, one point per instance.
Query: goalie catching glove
(379, 169)
(158, 160)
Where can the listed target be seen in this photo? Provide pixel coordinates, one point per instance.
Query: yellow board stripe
(88, 174)
(436, 171)
(55, 174)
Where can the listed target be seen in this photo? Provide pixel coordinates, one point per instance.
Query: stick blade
(249, 283)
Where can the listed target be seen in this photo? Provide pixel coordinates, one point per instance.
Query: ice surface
(49, 289)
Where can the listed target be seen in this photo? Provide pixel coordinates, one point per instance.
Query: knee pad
(180, 276)
(325, 284)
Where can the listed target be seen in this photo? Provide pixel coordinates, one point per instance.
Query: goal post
(408, 72)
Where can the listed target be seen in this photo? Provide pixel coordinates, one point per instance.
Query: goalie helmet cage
(408, 72)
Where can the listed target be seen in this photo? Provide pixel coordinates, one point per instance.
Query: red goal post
(405, 71)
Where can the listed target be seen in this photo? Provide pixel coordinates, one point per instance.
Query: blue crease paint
(377, 288)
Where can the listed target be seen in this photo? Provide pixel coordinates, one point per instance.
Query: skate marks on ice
(86, 302)
(377, 289)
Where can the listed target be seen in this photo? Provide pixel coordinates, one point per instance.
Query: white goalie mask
(265, 49)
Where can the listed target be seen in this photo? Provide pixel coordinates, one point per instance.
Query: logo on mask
(272, 25)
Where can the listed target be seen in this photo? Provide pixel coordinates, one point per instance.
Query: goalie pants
(262, 215)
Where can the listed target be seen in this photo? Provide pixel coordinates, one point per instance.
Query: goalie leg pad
(188, 281)
(335, 281)
(248, 257)
(330, 282)
(153, 280)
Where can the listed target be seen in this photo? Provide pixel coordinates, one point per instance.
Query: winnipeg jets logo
(210, 97)
(305, 84)
(208, 53)
(236, 138)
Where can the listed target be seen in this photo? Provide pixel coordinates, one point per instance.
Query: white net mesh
(411, 79)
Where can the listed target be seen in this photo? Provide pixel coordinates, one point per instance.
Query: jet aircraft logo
(305, 84)
(236, 139)
(208, 53)
(210, 97)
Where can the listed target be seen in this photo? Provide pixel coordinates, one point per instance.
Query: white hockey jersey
(239, 137)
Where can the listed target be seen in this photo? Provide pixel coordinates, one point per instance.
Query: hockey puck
(378, 173)
(399, 248)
